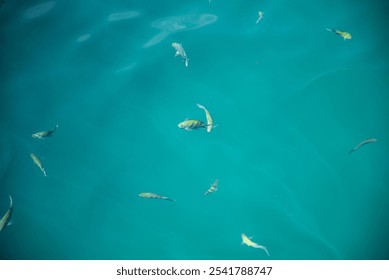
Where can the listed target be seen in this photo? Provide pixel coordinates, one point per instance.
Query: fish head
(181, 125)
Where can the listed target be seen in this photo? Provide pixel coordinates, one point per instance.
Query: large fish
(209, 118)
(371, 140)
(246, 240)
(213, 188)
(155, 196)
(38, 162)
(192, 124)
(4, 222)
(45, 134)
(181, 52)
(343, 34)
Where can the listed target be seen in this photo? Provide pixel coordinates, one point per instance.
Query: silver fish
(38, 162)
(371, 140)
(155, 196)
(213, 187)
(180, 51)
(209, 118)
(45, 134)
(4, 222)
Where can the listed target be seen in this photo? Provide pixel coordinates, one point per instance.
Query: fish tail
(10, 201)
(168, 198)
(353, 150)
(44, 172)
(200, 106)
(329, 29)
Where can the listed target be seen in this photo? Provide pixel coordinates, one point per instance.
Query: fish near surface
(154, 196)
(213, 187)
(345, 35)
(191, 124)
(371, 140)
(45, 134)
(209, 118)
(4, 222)
(38, 162)
(246, 240)
(181, 52)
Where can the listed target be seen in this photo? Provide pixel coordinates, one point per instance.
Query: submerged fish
(154, 195)
(45, 134)
(192, 124)
(371, 140)
(38, 162)
(209, 118)
(181, 52)
(260, 16)
(4, 222)
(343, 34)
(213, 188)
(246, 240)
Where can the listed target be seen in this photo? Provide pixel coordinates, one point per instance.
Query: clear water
(290, 99)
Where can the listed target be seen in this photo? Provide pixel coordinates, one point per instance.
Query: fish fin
(10, 223)
(188, 129)
(177, 53)
(200, 106)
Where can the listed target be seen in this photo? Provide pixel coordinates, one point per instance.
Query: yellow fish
(213, 188)
(38, 162)
(154, 195)
(191, 124)
(343, 34)
(45, 134)
(209, 118)
(246, 240)
(7, 216)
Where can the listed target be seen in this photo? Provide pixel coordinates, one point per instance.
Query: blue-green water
(290, 99)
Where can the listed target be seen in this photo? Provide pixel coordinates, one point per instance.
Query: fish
(343, 34)
(38, 162)
(213, 188)
(45, 134)
(192, 124)
(4, 222)
(260, 16)
(371, 140)
(209, 118)
(246, 240)
(154, 195)
(180, 51)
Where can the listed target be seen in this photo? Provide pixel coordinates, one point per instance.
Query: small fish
(343, 34)
(213, 188)
(45, 134)
(371, 140)
(154, 195)
(4, 222)
(246, 240)
(209, 118)
(180, 51)
(191, 124)
(260, 16)
(38, 162)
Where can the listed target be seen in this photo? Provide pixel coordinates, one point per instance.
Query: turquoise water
(290, 99)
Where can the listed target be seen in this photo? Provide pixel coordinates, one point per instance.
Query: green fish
(155, 196)
(4, 222)
(343, 34)
(213, 188)
(192, 124)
